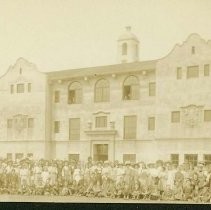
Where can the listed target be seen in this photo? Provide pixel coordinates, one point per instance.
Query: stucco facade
(172, 96)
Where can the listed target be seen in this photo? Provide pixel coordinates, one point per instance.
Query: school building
(134, 110)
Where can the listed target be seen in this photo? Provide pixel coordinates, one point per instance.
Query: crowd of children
(158, 181)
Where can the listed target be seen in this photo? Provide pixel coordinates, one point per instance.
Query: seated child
(65, 190)
(168, 193)
(136, 190)
(178, 191)
(187, 190)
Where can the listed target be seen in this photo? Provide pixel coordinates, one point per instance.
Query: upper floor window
(152, 89)
(124, 49)
(192, 72)
(193, 50)
(206, 70)
(207, 115)
(131, 88)
(175, 116)
(130, 127)
(29, 87)
(101, 122)
(11, 89)
(9, 123)
(20, 88)
(56, 126)
(179, 73)
(56, 96)
(75, 93)
(102, 91)
(30, 122)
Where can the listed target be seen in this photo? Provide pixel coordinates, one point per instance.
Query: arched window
(131, 88)
(75, 93)
(124, 49)
(102, 91)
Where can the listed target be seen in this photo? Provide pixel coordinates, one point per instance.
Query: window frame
(193, 161)
(207, 161)
(195, 74)
(205, 117)
(56, 96)
(30, 123)
(74, 134)
(129, 157)
(152, 88)
(124, 48)
(151, 127)
(20, 88)
(102, 91)
(179, 73)
(56, 126)
(128, 134)
(174, 160)
(101, 122)
(75, 88)
(207, 70)
(173, 117)
(134, 88)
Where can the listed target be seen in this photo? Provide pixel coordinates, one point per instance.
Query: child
(177, 190)
(127, 190)
(154, 193)
(119, 188)
(136, 190)
(97, 189)
(65, 190)
(168, 193)
(187, 190)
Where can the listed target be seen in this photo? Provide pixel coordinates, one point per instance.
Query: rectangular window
(29, 87)
(29, 155)
(30, 122)
(207, 159)
(175, 117)
(191, 159)
(151, 123)
(101, 122)
(9, 156)
(129, 157)
(9, 123)
(179, 73)
(192, 72)
(127, 92)
(11, 89)
(74, 129)
(56, 127)
(130, 125)
(20, 88)
(75, 157)
(18, 156)
(206, 70)
(175, 159)
(152, 89)
(56, 96)
(207, 115)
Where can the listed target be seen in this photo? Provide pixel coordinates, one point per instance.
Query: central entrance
(100, 152)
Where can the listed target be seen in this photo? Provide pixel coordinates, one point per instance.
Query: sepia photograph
(105, 101)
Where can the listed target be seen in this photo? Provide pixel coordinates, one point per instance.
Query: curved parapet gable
(183, 77)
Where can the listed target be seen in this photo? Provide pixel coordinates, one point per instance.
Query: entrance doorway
(100, 152)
